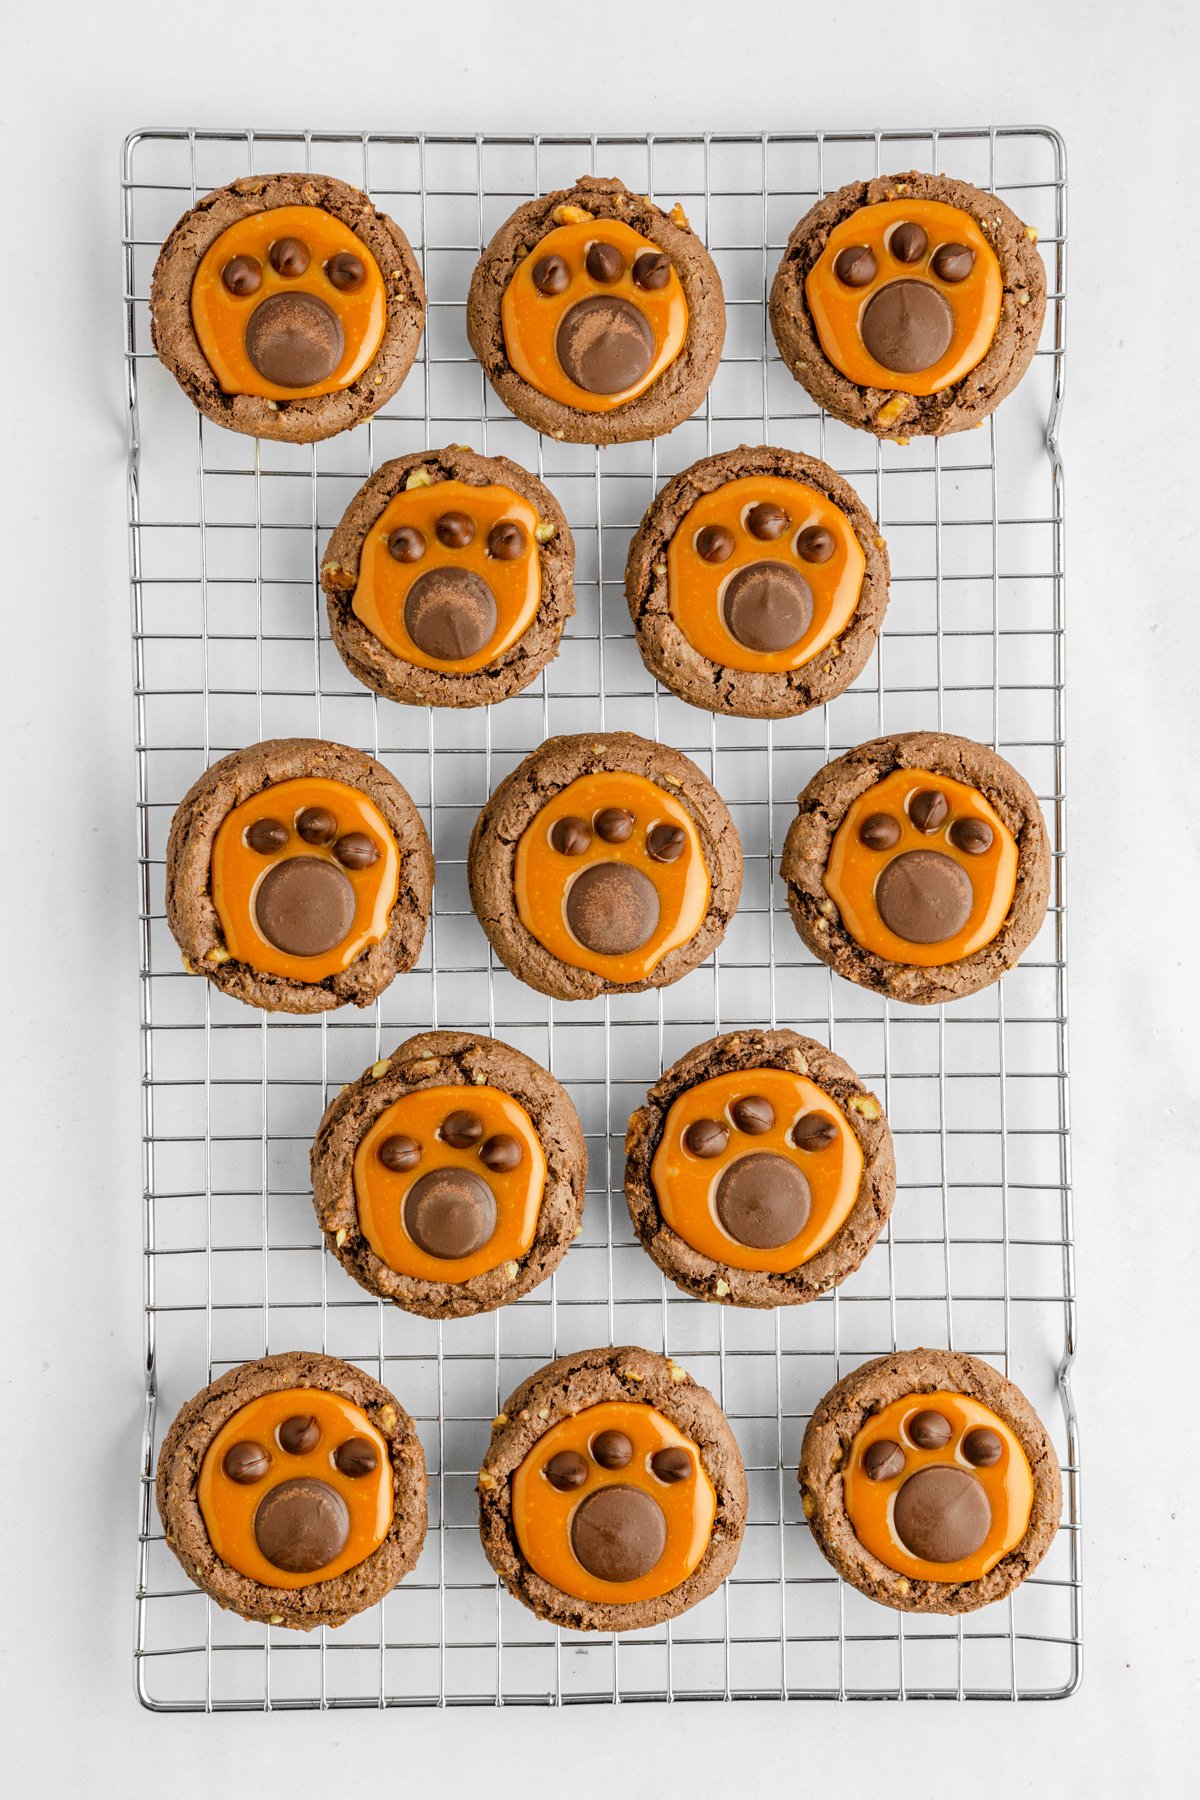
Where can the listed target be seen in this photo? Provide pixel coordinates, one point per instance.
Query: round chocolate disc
(882, 1460)
(301, 1525)
(767, 606)
(294, 340)
(605, 344)
(907, 326)
(450, 613)
(449, 1213)
(924, 896)
(763, 1201)
(612, 908)
(942, 1514)
(304, 906)
(618, 1533)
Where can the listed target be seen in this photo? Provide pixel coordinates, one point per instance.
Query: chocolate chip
(612, 908)
(671, 1464)
(666, 843)
(767, 606)
(941, 1514)
(715, 543)
(304, 906)
(706, 1137)
(604, 344)
(346, 271)
(907, 326)
(294, 340)
(316, 825)
(604, 262)
(267, 835)
(953, 262)
(816, 544)
(614, 825)
(924, 896)
(855, 266)
(302, 1525)
(973, 836)
(299, 1434)
(814, 1133)
(450, 1213)
(551, 275)
(566, 1470)
(356, 850)
(289, 256)
(766, 520)
(461, 1129)
(506, 540)
(908, 243)
(612, 1449)
(571, 836)
(983, 1447)
(245, 1463)
(879, 832)
(763, 1201)
(407, 544)
(928, 809)
(882, 1459)
(242, 275)
(357, 1456)
(652, 269)
(753, 1114)
(450, 613)
(618, 1533)
(399, 1153)
(455, 530)
(929, 1430)
(501, 1153)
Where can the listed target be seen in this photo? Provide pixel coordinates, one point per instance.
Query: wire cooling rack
(230, 645)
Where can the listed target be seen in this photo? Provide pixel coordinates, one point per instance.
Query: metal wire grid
(230, 645)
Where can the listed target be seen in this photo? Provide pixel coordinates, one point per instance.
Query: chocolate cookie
(918, 865)
(757, 583)
(760, 1170)
(449, 579)
(292, 1490)
(299, 876)
(612, 1495)
(929, 1482)
(286, 306)
(450, 1177)
(909, 305)
(604, 864)
(597, 317)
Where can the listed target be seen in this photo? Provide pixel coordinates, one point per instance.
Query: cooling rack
(230, 645)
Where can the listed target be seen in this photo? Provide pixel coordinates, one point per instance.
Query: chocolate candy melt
(501, 1153)
(666, 843)
(671, 1464)
(267, 835)
(715, 543)
(814, 1133)
(245, 1463)
(346, 271)
(450, 613)
(652, 269)
(450, 1213)
(972, 836)
(763, 1201)
(506, 540)
(399, 1153)
(567, 1471)
(908, 243)
(767, 606)
(706, 1137)
(767, 521)
(294, 340)
(879, 832)
(299, 1434)
(289, 257)
(928, 809)
(571, 836)
(924, 896)
(618, 1533)
(551, 275)
(406, 544)
(907, 326)
(304, 906)
(942, 1514)
(242, 275)
(855, 266)
(929, 1430)
(983, 1447)
(614, 825)
(461, 1129)
(302, 1525)
(356, 1457)
(605, 344)
(882, 1460)
(612, 908)
(816, 544)
(316, 825)
(753, 1114)
(356, 850)
(604, 262)
(612, 1450)
(953, 262)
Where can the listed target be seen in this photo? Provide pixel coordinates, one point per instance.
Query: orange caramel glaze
(542, 1515)
(870, 1504)
(237, 871)
(685, 1184)
(220, 318)
(837, 309)
(228, 1507)
(695, 587)
(530, 319)
(854, 869)
(380, 1192)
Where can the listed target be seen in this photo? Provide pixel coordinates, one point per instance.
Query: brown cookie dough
(831, 1432)
(193, 917)
(377, 666)
(491, 858)
(886, 413)
(301, 421)
(681, 387)
(824, 804)
(435, 1059)
(701, 1275)
(567, 1387)
(329, 1602)
(666, 649)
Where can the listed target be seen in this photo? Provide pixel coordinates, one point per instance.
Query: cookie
(292, 1490)
(449, 579)
(918, 865)
(287, 306)
(757, 583)
(909, 305)
(450, 1177)
(604, 864)
(612, 1495)
(929, 1482)
(299, 876)
(760, 1171)
(597, 317)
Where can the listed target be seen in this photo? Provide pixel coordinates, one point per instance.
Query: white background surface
(1119, 82)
